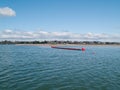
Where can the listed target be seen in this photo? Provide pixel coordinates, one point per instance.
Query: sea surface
(45, 68)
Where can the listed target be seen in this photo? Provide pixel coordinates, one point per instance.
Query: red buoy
(83, 49)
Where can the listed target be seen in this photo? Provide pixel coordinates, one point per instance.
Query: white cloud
(6, 11)
(43, 35)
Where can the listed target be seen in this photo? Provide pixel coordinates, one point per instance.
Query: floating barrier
(68, 48)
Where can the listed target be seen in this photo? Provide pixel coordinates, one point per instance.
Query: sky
(81, 20)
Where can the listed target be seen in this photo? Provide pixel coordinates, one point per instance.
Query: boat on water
(68, 48)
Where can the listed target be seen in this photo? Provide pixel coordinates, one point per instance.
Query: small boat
(68, 48)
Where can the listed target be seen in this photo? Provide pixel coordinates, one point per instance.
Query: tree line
(60, 42)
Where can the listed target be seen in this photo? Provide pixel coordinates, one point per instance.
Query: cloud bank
(6, 11)
(43, 35)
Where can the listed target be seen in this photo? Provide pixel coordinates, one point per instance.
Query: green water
(45, 68)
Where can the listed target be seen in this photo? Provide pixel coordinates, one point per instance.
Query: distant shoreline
(66, 45)
(60, 43)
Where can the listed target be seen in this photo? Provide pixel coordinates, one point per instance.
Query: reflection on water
(44, 68)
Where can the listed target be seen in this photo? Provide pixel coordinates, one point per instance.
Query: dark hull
(66, 48)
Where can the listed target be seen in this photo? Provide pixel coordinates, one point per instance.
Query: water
(45, 68)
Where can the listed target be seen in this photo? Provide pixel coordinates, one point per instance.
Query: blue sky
(64, 19)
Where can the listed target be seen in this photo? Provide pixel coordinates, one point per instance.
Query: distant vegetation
(60, 42)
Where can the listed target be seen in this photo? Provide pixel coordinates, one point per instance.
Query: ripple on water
(41, 68)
